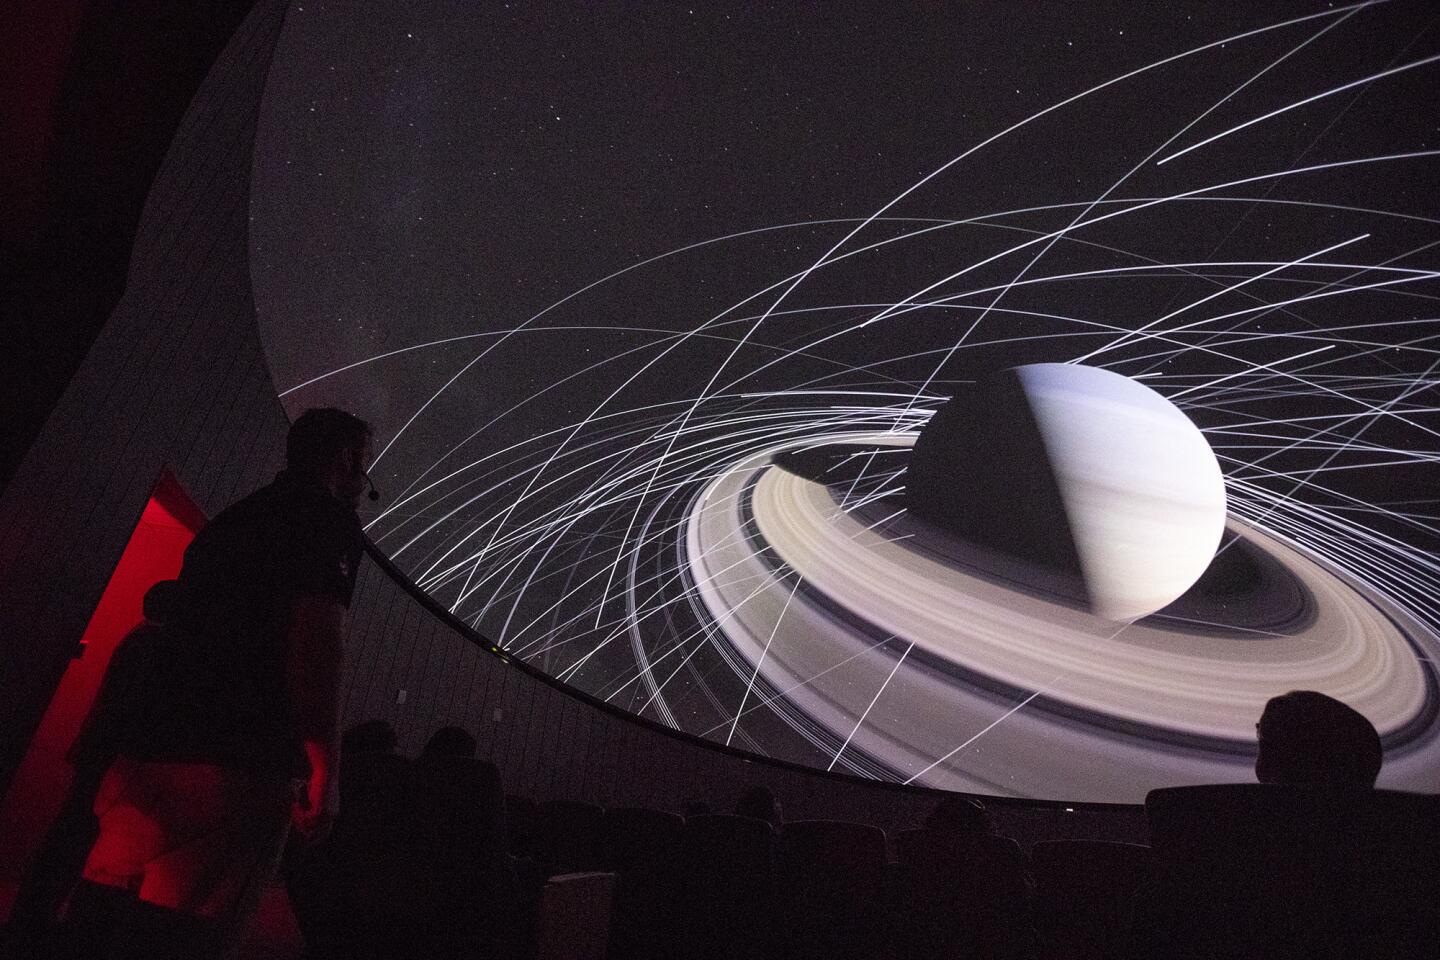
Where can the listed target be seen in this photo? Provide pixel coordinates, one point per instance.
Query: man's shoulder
(285, 505)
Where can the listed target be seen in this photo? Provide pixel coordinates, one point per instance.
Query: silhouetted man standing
(195, 809)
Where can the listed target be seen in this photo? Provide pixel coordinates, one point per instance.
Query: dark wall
(94, 91)
(177, 378)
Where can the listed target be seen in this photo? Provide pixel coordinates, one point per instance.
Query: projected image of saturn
(1029, 457)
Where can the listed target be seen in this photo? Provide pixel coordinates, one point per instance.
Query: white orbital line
(702, 634)
(594, 413)
(1226, 626)
(493, 455)
(589, 466)
(1267, 495)
(1300, 103)
(1114, 80)
(918, 184)
(1198, 191)
(764, 702)
(1239, 337)
(1358, 272)
(978, 219)
(873, 700)
(1371, 414)
(1148, 335)
(667, 530)
(1111, 189)
(992, 725)
(523, 326)
(1410, 591)
(1417, 457)
(846, 498)
(881, 495)
(1282, 499)
(1172, 397)
(586, 467)
(1211, 385)
(944, 302)
(678, 336)
(1141, 330)
(758, 663)
(710, 450)
(1046, 686)
(671, 577)
(735, 609)
(1254, 489)
(981, 219)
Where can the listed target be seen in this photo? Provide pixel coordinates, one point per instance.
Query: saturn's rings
(847, 611)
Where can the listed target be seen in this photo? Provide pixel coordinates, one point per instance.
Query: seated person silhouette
(1309, 738)
(964, 891)
(759, 803)
(1311, 862)
(329, 879)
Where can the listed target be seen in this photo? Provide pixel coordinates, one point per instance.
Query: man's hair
(1309, 738)
(318, 436)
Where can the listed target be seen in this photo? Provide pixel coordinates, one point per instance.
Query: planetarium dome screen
(942, 395)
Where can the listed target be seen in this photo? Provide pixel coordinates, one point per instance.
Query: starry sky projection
(428, 168)
(430, 175)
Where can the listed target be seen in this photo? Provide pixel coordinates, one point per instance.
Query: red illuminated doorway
(154, 552)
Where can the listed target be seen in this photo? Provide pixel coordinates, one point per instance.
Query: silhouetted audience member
(372, 774)
(330, 882)
(1309, 738)
(194, 809)
(960, 816)
(696, 808)
(963, 891)
(758, 802)
(449, 742)
(56, 867)
(464, 897)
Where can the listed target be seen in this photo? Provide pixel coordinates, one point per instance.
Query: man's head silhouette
(333, 448)
(1309, 738)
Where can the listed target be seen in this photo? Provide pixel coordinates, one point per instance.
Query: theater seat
(960, 896)
(522, 817)
(567, 836)
(726, 887)
(574, 920)
(831, 877)
(642, 847)
(1084, 894)
(1251, 870)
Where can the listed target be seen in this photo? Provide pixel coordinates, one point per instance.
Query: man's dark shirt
(222, 682)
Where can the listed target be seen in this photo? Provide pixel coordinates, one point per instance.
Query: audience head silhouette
(960, 815)
(1309, 738)
(760, 803)
(449, 742)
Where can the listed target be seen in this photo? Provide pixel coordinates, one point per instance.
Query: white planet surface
(1141, 487)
